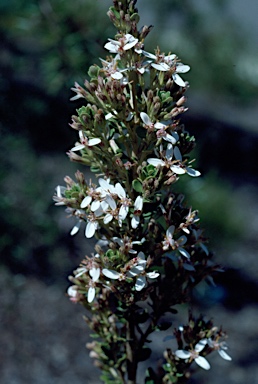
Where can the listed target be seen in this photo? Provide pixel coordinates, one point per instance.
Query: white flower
(123, 44)
(94, 274)
(92, 223)
(175, 244)
(190, 219)
(85, 142)
(105, 187)
(170, 152)
(194, 355)
(161, 129)
(220, 347)
(113, 213)
(161, 132)
(126, 244)
(175, 165)
(165, 63)
(110, 68)
(138, 271)
(125, 202)
(138, 204)
(59, 197)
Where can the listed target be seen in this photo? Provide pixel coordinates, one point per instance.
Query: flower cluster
(151, 251)
(93, 276)
(103, 203)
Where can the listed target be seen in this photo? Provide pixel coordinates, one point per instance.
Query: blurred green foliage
(211, 40)
(218, 208)
(30, 240)
(51, 43)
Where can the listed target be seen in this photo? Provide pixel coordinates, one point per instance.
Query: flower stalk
(150, 250)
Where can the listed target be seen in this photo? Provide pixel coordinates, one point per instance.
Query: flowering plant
(150, 252)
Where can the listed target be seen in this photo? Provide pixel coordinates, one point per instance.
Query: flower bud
(80, 177)
(69, 181)
(145, 31)
(181, 101)
(150, 94)
(112, 16)
(156, 108)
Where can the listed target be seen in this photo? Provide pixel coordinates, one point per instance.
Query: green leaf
(165, 97)
(93, 71)
(135, 17)
(116, 13)
(94, 169)
(137, 186)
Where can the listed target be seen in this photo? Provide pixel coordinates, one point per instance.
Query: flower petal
(170, 57)
(152, 275)
(177, 169)
(92, 142)
(170, 231)
(161, 66)
(169, 151)
(78, 147)
(111, 202)
(123, 211)
(145, 118)
(91, 294)
(224, 355)
(184, 252)
(86, 201)
(177, 154)
(202, 362)
(156, 162)
(138, 203)
(111, 47)
(94, 273)
(170, 139)
(75, 228)
(178, 80)
(150, 55)
(140, 283)
(135, 221)
(111, 274)
(192, 172)
(182, 354)
(80, 271)
(95, 205)
(90, 229)
(119, 190)
(200, 345)
(117, 75)
(108, 218)
(182, 68)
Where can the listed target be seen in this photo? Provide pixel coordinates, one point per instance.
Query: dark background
(46, 45)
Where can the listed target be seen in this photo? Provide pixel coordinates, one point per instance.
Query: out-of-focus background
(46, 45)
